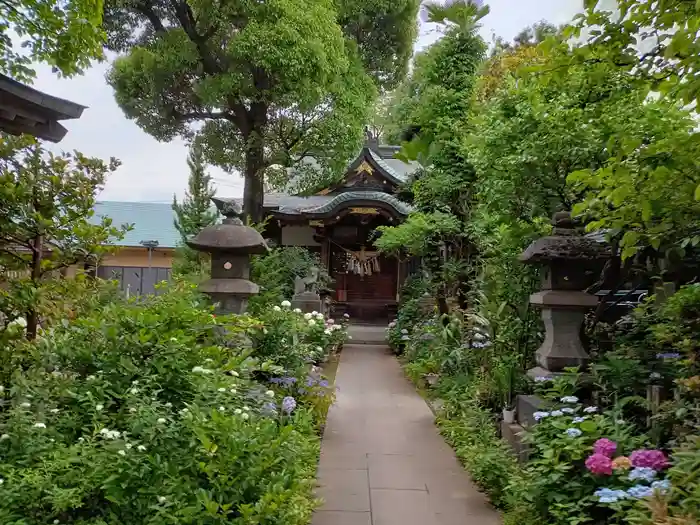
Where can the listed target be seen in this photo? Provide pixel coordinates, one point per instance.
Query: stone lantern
(571, 263)
(230, 244)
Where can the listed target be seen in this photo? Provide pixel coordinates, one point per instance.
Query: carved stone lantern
(230, 244)
(572, 262)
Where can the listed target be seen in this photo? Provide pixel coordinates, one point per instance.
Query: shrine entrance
(366, 282)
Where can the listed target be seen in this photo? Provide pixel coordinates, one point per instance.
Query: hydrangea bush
(149, 413)
(589, 465)
(293, 340)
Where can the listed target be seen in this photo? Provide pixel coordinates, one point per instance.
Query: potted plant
(506, 377)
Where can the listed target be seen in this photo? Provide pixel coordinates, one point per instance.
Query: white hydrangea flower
(4, 437)
(168, 404)
(314, 312)
(245, 416)
(99, 408)
(327, 331)
(307, 316)
(233, 390)
(270, 393)
(297, 310)
(134, 390)
(128, 446)
(162, 499)
(110, 434)
(238, 411)
(141, 448)
(312, 322)
(121, 452)
(39, 425)
(276, 308)
(161, 420)
(221, 389)
(132, 410)
(222, 409)
(234, 373)
(319, 349)
(54, 411)
(246, 409)
(286, 304)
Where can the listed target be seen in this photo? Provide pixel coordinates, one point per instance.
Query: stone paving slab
(382, 459)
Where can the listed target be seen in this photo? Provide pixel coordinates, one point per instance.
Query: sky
(153, 171)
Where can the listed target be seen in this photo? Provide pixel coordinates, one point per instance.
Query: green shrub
(275, 273)
(147, 413)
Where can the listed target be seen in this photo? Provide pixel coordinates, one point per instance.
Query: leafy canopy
(67, 34)
(45, 221)
(262, 86)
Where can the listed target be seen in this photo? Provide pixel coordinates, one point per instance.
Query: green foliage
(470, 429)
(292, 339)
(656, 41)
(193, 215)
(65, 34)
(275, 273)
(262, 86)
(45, 222)
(148, 412)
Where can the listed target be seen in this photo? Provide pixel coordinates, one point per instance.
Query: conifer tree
(193, 214)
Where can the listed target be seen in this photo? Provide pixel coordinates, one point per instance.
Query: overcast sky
(152, 171)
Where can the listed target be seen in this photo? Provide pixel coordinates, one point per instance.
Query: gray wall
(137, 280)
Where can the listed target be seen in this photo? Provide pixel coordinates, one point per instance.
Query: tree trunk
(253, 191)
(32, 314)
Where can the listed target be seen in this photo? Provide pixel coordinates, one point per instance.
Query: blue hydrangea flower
(573, 432)
(569, 399)
(640, 491)
(668, 355)
(288, 404)
(540, 415)
(557, 413)
(642, 473)
(590, 410)
(580, 419)
(662, 486)
(568, 410)
(323, 383)
(310, 381)
(610, 495)
(542, 379)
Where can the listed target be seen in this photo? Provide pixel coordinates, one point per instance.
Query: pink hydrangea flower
(599, 464)
(649, 458)
(605, 446)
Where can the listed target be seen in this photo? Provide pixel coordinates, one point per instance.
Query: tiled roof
(152, 221)
(398, 169)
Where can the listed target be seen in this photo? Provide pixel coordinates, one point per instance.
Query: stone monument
(306, 296)
(230, 244)
(571, 263)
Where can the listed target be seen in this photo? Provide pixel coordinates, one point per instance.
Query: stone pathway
(382, 459)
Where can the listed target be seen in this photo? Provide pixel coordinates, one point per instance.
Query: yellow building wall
(138, 257)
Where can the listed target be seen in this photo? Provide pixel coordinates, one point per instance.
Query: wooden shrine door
(366, 292)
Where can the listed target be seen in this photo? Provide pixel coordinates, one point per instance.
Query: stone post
(230, 244)
(571, 262)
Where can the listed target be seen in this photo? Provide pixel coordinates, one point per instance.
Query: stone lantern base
(307, 302)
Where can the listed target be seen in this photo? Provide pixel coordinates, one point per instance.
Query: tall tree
(45, 221)
(67, 34)
(195, 212)
(261, 85)
(430, 113)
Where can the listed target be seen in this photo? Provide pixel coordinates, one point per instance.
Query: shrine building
(339, 224)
